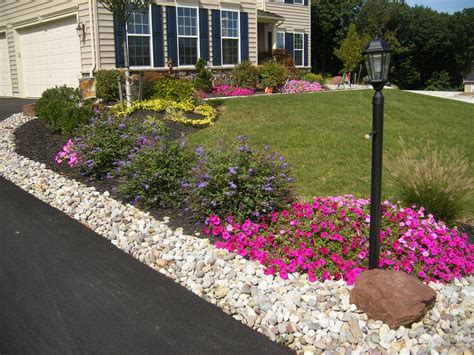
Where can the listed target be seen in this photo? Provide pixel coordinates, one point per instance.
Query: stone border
(307, 317)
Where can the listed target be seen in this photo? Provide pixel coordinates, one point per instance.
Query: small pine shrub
(245, 75)
(433, 178)
(174, 90)
(273, 74)
(238, 180)
(202, 81)
(106, 85)
(62, 109)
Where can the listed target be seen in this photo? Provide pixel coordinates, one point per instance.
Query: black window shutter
(289, 43)
(172, 36)
(118, 42)
(244, 36)
(305, 53)
(158, 46)
(216, 37)
(204, 33)
(288, 1)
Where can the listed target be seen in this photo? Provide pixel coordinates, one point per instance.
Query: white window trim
(198, 36)
(284, 39)
(302, 50)
(239, 59)
(295, 3)
(150, 38)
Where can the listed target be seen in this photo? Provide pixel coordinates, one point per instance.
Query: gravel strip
(310, 318)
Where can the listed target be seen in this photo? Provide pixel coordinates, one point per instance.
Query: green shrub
(62, 109)
(314, 78)
(433, 178)
(202, 81)
(245, 75)
(273, 74)
(238, 180)
(174, 89)
(153, 175)
(106, 86)
(439, 81)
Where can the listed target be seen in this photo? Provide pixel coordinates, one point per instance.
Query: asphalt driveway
(66, 290)
(9, 106)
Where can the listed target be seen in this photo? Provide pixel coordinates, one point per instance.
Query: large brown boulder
(393, 297)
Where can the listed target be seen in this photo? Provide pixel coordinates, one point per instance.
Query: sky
(443, 5)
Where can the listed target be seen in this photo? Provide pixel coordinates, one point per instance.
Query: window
(188, 38)
(280, 40)
(139, 38)
(298, 49)
(300, 2)
(230, 37)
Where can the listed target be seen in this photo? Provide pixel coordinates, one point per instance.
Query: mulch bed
(36, 141)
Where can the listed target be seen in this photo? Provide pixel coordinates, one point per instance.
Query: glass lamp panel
(376, 63)
(386, 65)
(367, 66)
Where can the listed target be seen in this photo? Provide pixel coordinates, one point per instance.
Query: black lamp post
(377, 59)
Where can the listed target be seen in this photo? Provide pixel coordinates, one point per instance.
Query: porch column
(274, 36)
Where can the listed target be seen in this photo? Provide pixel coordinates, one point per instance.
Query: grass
(322, 135)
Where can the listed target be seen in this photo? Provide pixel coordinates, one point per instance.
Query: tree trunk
(128, 92)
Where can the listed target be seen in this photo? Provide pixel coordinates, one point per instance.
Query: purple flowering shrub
(227, 90)
(239, 180)
(153, 173)
(105, 143)
(296, 86)
(328, 239)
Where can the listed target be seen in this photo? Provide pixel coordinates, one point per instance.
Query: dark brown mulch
(36, 141)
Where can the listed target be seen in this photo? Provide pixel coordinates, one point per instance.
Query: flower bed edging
(306, 316)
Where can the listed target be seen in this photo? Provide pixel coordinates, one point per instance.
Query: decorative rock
(264, 303)
(394, 297)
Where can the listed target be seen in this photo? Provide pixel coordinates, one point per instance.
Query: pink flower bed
(68, 154)
(227, 90)
(328, 239)
(295, 86)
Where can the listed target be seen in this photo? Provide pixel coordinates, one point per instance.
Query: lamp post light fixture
(377, 60)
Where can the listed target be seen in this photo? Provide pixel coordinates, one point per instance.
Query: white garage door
(5, 78)
(50, 56)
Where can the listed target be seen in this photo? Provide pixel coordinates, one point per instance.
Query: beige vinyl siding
(106, 39)
(86, 50)
(297, 18)
(15, 15)
(106, 30)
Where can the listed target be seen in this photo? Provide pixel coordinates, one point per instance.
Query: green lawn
(322, 135)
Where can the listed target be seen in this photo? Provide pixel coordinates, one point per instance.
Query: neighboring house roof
(269, 15)
(470, 78)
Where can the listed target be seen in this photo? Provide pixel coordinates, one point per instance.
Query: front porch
(267, 23)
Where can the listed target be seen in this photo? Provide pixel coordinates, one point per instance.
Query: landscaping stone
(394, 297)
(324, 321)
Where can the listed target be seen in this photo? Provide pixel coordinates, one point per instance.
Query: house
(45, 43)
(469, 83)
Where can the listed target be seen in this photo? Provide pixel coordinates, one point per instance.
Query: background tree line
(431, 50)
